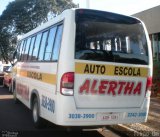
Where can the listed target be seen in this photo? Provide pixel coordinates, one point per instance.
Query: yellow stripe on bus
(110, 70)
(44, 77)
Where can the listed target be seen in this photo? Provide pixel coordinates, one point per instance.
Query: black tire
(37, 120)
(1, 81)
(16, 101)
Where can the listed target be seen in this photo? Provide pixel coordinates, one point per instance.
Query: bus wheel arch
(34, 94)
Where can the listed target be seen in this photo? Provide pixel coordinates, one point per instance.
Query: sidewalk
(154, 114)
(152, 126)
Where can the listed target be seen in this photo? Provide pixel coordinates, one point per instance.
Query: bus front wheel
(16, 101)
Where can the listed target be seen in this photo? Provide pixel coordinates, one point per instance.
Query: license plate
(108, 116)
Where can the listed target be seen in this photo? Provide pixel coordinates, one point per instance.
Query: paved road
(16, 121)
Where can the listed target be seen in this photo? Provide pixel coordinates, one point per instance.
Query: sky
(3, 4)
(126, 7)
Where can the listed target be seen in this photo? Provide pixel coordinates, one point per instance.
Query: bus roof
(64, 14)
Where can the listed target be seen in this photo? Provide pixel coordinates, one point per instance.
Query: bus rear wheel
(37, 120)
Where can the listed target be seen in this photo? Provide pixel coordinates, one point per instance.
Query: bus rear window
(103, 36)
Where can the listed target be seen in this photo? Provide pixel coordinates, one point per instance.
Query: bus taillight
(148, 86)
(67, 84)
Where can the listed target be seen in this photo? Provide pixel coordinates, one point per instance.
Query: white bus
(85, 68)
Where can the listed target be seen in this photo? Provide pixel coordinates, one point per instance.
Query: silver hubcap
(9, 88)
(35, 112)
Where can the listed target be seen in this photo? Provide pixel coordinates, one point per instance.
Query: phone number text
(81, 116)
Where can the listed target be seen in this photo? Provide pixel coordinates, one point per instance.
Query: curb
(126, 131)
(130, 132)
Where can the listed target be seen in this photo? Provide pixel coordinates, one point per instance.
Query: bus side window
(36, 47)
(57, 43)
(16, 53)
(20, 49)
(31, 48)
(49, 46)
(27, 49)
(42, 46)
(23, 49)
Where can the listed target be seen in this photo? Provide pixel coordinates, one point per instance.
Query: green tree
(22, 16)
(7, 45)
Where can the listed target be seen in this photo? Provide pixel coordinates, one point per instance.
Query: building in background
(151, 18)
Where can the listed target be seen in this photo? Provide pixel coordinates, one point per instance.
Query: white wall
(151, 18)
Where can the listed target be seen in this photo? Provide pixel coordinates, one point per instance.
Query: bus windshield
(109, 37)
